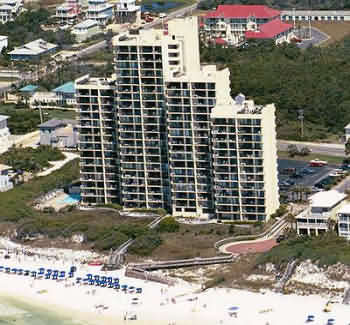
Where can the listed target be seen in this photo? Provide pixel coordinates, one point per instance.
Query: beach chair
(20, 271)
(310, 318)
(55, 272)
(1, 268)
(26, 272)
(41, 271)
(7, 269)
(116, 286)
(71, 274)
(138, 290)
(110, 285)
(109, 279)
(331, 321)
(89, 276)
(104, 278)
(116, 280)
(47, 276)
(33, 274)
(14, 270)
(49, 271)
(91, 282)
(97, 277)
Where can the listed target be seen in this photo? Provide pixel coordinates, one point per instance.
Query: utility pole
(301, 118)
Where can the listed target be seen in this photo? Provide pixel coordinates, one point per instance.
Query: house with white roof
(323, 206)
(100, 10)
(343, 220)
(9, 9)
(5, 182)
(85, 30)
(5, 142)
(3, 42)
(32, 50)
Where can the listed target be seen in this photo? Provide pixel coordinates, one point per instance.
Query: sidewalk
(59, 163)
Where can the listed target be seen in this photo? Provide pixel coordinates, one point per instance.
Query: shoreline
(158, 304)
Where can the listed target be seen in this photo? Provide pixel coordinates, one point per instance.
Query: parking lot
(309, 177)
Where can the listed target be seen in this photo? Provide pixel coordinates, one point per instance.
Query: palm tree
(331, 223)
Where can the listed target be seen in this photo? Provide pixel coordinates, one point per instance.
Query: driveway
(317, 37)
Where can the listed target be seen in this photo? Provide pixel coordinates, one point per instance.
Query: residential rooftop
(29, 88)
(345, 209)
(3, 117)
(243, 11)
(86, 24)
(269, 30)
(67, 88)
(326, 199)
(36, 47)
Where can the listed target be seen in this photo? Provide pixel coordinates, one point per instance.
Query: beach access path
(59, 163)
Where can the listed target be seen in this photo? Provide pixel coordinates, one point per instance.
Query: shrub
(168, 224)
(113, 241)
(214, 282)
(145, 244)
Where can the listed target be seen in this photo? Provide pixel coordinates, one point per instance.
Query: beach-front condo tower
(97, 140)
(164, 118)
(244, 160)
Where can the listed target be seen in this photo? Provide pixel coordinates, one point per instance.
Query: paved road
(330, 149)
(317, 37)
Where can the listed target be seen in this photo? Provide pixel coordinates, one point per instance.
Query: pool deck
(57, 202)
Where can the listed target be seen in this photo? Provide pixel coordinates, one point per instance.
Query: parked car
(280, 238)
(297, 175)
(318, 163)
(307, 171)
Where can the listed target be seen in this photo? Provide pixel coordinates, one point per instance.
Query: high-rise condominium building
(175, 138)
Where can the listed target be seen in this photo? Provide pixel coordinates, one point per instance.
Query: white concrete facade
(163, 140)
(5, 142)
(343, 220)
(9, 9)
(100, 11)
(323, 206)
(316, 15)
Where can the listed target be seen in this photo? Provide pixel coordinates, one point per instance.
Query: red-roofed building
(274, 29)
(220, 41)
(231, 22)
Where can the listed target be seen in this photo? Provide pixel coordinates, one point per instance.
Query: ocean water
(17, 312)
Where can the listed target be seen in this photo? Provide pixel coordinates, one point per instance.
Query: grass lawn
(330, 159)
(59, 114)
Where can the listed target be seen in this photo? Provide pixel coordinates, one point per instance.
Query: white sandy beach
(158, 304)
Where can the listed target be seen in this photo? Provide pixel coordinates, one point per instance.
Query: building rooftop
(345, 209)
(3, 117)
(242, 11)
(5, 7)
(326, 199)
(86, 24)
(316, 12)
(33, 48)
(220, 41)
(269, 30)
(67, 88)
(4, 167)
(347, 126)
(57, 123)
(29, 88)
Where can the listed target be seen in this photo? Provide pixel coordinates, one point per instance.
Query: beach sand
(157, 304)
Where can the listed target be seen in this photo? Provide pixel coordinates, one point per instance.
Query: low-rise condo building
(166, 133)
(323, 207)
(343, 220)
(233, 24)
(5, 142)
(32, 50)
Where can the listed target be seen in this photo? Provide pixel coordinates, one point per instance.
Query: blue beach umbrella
(116, 280)
(14, 270)
(62, 274)
(116, 286)
(109, 279)
(89, 276)
(96, 277)
(71, 274)
(104, 278)
(124, 286)
(41, 271)
(7, 269)
(55, 272)
(34, 274)
(233, 308)
(48, 271)
(138, 290)
(1, 267)
(19, 271)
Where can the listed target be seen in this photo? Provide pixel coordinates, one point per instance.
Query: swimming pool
(71, 199)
